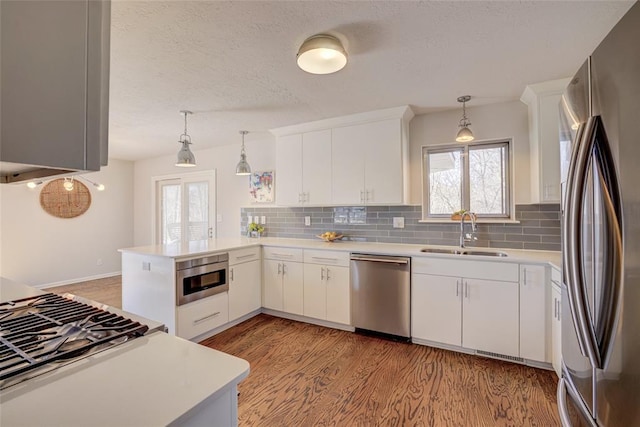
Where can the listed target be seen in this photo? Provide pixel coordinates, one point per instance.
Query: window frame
(466, 186)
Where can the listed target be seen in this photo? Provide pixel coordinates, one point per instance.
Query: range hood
(54, 72)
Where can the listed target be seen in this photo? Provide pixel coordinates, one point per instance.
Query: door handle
(321, 273)
(466, 289)
(231, 273)
(210, 231)
(524, 273)
(284, 268)
(328, 273)
(457, 288)
(361, 196)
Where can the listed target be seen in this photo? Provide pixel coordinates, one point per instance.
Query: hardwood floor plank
(106, 291)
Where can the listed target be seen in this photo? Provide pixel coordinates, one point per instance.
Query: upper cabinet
(351, 160)
(543, 100)
(55, 84)
(303, 164)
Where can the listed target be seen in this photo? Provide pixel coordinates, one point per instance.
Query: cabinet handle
(366, 195)
(525, 275)
(284, 268)
(231, 273)
(555, 282)
(555, 308)
(246, 256)
(319, 258)
(321, 273)
(466, 289)
(328, 277)
(283, 255)
(202, 319)
(306, 197)
(299, 197)
(457, 287)
(279, 268)
(361, 196)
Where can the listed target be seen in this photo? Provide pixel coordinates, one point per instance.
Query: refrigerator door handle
(569, 218)
(561, 397)
(573, 233)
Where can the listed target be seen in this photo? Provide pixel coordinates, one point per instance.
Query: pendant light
(186, 159)
(243, 167)
(322, 54)
(464, 134)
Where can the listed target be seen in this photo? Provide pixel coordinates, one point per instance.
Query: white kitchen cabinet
(202, 316)
(326, 286)
(436, 309)
(303, 163)
(477, 311)
(283, 280)
(556, 322)
(533, 313)
(245, 290)
(543, 100)
(490, 316)
(368, 163)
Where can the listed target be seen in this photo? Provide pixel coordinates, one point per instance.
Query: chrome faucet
(469, 236)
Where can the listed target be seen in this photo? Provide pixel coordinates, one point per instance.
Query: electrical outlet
(263, 220)
(249, 219)
(398, 222)
(99, 261)
(307, 221)
(146, 266)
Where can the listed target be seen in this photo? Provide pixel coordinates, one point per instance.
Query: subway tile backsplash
(539, 226)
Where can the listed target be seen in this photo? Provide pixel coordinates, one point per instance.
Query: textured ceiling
(233, 62)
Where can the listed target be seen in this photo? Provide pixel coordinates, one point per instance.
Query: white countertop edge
(193, 249)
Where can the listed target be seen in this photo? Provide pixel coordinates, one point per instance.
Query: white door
(289, 167)
(185, 207)
(316, 167)
(436, 308)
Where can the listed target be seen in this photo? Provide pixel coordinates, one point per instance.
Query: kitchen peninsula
(155, 379)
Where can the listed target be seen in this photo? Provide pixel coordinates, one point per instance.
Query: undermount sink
(462, 252)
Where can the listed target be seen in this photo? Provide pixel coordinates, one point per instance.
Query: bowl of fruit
(329, 236)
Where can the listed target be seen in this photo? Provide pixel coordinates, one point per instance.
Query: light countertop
(199, 248)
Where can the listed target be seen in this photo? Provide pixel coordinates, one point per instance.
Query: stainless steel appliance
(41, 333)
(381, 294)
(601, 235)
(201, 277)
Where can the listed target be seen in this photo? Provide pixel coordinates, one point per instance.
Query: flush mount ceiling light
(243, 167)
(464, 134)
(322, 54)
(186, 159)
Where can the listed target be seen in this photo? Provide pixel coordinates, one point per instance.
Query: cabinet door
(244, 289)
(292, 287)
(316, 167)
(272, 293)
(533, 313)
(549, 149)
(337, 286)
(490, 316)
(315, 291)
(289, 167)
(383, 170)
(556, 330)
(347, 158)
(436, 308)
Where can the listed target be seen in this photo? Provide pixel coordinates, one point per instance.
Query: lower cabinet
(283, 280)
(202, 316)
(326, 286)
(244, 285)
(472, 313)
(533, 313)
(556, 323)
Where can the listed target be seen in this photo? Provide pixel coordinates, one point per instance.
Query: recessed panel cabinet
(245, 294)
(282, 280)
(326, 286)
(533, 313)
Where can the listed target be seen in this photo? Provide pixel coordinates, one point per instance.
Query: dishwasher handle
(376, 258)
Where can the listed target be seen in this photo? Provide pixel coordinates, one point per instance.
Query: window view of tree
(473, 177)
(198, 210)
(171, 213)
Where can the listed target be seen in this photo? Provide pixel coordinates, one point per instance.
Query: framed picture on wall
(262, 187)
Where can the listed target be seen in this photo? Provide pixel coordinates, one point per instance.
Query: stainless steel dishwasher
(381, 294)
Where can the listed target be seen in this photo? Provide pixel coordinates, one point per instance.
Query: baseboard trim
(78, 280)
(299, 318)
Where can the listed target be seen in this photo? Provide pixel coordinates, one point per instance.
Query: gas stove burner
(38, 333)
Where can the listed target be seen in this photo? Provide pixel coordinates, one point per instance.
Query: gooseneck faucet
(468, 236)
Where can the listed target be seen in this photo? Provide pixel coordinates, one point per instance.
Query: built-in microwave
(201, 277)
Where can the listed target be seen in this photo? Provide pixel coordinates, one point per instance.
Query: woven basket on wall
(61, 203)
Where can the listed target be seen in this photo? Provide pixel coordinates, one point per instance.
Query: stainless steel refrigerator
(600, 144)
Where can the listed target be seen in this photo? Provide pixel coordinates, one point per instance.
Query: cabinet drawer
(326, 257)
(203, 315)
(466, 268)
(244, 255)
(285, 254)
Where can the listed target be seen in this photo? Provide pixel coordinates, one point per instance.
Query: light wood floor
(306, 375)
(107, 291)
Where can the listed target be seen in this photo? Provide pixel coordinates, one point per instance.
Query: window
(474, 177)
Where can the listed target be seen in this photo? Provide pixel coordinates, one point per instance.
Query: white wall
(40, 249)
(504, 120)
(232, 190)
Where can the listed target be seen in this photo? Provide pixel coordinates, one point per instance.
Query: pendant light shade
(464, 134)
(243, 167)
(186, 159)
(322, 54)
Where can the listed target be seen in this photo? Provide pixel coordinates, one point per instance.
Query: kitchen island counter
(156, 379)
